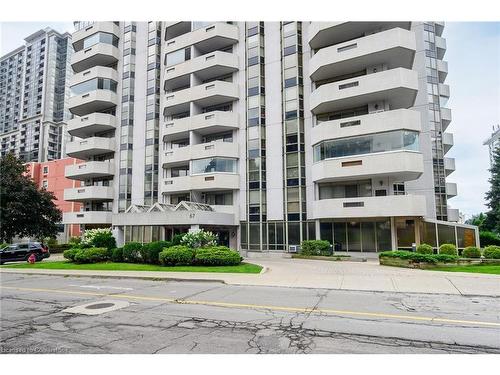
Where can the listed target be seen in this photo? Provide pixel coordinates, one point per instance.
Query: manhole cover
(99, 306)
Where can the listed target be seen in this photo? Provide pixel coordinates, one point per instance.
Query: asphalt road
(209, 317)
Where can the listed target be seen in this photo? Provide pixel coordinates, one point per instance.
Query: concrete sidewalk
(368, 276)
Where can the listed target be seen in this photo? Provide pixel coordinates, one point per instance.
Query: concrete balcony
(364, 207)
(93, 101)
(394, 47)
(180, 156)
(453, 214)
(397, 87)
(322, 34)
(206, 39)
(88, 217)
(202, 182)
(439, 27)
(440, 47)
(366, 124)
(90, 169)
(445, 117)
(208, 94)
(442, 68)
(89, 193)
(105, 27)
(401, 165)
(205, 123)
(449, 165)
(95, 72)
(444, 90)
(86, 126)
(451, 190)
(83, 149)
(100, 54)
(447, 142)
(211, 65)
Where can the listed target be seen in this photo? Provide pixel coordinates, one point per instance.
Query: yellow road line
(266, 307)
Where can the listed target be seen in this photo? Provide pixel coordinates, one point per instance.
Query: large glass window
(93, 84)
(446, 234)
(210, 165)
(100, 38)
(177, 57)
(367, 144)
(353, 189)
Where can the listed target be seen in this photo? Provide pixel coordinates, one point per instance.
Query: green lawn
(110, 266)
(492, 269)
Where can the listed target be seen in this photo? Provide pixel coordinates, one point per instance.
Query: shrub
(315, 247)
(150, 252)
(70, 254)
(132, 252)
(104, 239)
(177, 255)
(75, 241)
(91, 255)
(217, 256)
(60, 248)
(448, 249)
(488, 238)
(424, 249)
(51, 242)
(492, 252)
(417, 257)
(117, 255)
(199, 238)
(176, 239)
(101, 236)
(471, 252)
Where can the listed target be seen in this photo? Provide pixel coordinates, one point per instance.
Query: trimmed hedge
(117, 255)
(70, 254)
(91, 255)
(471, 252)
(492, 252)
(150, 252)
(217, 256)
(60, 248)
(416, 257)
(132, 252)
(104, 240)
(448, 249)
(177, 256)
(315, 247)
(425, 249)
(177, 238)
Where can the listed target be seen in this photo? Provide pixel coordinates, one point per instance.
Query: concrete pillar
(194, 228)
(317, 229)
(417, 232)
(394, 237)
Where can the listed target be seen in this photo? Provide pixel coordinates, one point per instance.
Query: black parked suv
(22, 251)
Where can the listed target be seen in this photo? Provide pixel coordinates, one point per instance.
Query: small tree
(25, 210)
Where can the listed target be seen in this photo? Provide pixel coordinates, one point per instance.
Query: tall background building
(34, 90)
(493, 142)
(268, 133)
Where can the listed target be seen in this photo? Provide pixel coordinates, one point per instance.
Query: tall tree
(25, 210)
(493, 195)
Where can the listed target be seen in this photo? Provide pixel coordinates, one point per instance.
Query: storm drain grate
(96, 308)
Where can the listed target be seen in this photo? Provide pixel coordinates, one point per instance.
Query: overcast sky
(473, 55)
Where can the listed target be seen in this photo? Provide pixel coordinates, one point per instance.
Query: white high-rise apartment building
(34, 93)
(493, 142)
(268, 133)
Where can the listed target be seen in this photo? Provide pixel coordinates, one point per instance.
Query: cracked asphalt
(209, 317)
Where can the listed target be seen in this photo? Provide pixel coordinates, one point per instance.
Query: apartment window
(45, 184)
(177, 57)
(211, 165)
(179, 171)
(100, 38)
(367, 144)
(94, 84)
(45, 169)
